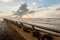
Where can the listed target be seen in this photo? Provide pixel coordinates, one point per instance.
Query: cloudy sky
(7, 5)
(42, 7)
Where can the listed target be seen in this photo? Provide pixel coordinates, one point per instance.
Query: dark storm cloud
(22, 9)
(31, 12)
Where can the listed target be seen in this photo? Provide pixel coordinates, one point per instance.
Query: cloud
(40, 0)
(22, 10)
(3, 15)
(34, 3)
(38, 12)
(7, 1)
(52, 12)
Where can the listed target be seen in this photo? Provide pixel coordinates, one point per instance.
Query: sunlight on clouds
(7, 1)
(8, 15)
(53, 12)
(34, 3)
(37, 14)
(41, 12)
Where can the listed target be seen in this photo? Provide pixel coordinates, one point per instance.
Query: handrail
(40, 28)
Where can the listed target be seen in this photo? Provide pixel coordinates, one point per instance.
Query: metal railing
(36, 29)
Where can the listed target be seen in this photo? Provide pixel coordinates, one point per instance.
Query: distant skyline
(8, 5)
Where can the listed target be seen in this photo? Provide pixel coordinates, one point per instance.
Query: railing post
(47, 37)
(36, 33)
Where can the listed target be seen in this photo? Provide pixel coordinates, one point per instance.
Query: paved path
(8, 33)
